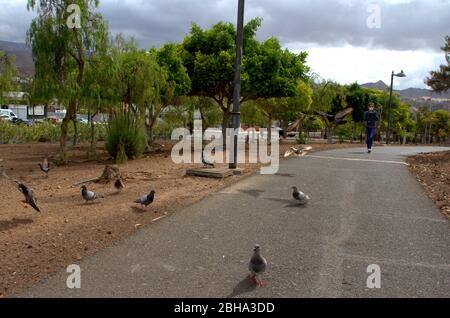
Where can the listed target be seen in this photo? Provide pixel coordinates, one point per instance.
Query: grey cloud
(419, 24)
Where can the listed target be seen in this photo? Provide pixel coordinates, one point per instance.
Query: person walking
(371, 117)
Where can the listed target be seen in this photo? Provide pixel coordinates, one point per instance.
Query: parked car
(5, 118)
(7, 114)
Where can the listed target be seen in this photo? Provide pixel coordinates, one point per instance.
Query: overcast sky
(342, 45)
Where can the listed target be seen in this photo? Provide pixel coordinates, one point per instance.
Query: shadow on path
(290, 203)
(253, 193)
(244, 287)
(10, 224)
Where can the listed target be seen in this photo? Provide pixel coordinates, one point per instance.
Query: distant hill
(409, 93)
(24, 58)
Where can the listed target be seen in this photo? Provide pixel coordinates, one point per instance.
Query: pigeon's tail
(34, 206)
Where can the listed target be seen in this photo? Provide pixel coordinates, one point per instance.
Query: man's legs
(371, 133)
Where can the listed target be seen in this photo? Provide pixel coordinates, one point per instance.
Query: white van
(7, 114)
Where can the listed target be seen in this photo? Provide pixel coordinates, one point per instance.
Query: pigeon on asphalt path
(29, 196)
(146, 200)
(300, 196)
(257, 266)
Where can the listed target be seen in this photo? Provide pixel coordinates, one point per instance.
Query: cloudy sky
(347, 40)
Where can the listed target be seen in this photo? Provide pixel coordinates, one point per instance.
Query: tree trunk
(70, 116)
(75, 133)
(330, 134)
(150, 133)
(269, 130)
(225, 124)
(92, 154)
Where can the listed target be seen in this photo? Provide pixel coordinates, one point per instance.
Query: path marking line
(357, 159)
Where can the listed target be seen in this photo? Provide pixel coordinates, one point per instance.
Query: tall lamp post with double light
(401, 74)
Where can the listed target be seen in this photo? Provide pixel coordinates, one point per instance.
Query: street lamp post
(401, 74)
(237, 84)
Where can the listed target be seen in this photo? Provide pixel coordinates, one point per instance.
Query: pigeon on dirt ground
(257, 266)
(146, 200)
(119, 184)
(205, 162)
(300, 196)
(87, 195)
(45, 167)
(29, 196)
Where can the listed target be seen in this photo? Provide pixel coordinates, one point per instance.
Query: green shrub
(46, 132)
(302, 138)
(126, 131)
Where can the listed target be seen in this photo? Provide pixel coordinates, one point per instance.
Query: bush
(45, 132)
(126, 136)
(302, 139)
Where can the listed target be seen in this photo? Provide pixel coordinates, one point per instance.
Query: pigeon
(257, 266)
(45, 167)
(300, 196)
(206, 163)
(119, 185)
(88, 196)
(146, 200)
(300, 152)
(29, 196)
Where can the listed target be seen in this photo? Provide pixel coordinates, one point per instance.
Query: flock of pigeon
(87, 195)
(257, 265)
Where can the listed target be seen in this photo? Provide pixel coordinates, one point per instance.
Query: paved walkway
(365, 209)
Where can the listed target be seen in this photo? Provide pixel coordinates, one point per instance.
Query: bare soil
(33, 245)
(433, 172)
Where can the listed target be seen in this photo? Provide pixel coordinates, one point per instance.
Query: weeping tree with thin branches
(62, 37)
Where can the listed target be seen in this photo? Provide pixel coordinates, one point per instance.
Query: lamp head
(401, 74)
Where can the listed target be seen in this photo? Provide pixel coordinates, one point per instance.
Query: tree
(439, 80)
(61, 53)
(442, 127)
(268, 71)
(8, 72)
(174, 85)
(97, 92)
(139, 83)
(329, 102)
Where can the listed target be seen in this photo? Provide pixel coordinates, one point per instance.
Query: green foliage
(19, 134)
(268, 71)
(439, 80)
(126, 131)
(302, 139)
(7, 73)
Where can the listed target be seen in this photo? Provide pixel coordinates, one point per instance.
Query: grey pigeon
(257, 266)
(45, 167)
(300, 196)
(205, 162)
(29, 196)
(119, 185)
(146, 200)
(88, 196)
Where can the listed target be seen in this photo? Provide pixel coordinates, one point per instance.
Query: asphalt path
(365, 210)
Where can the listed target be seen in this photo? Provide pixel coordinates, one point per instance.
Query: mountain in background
(409, 93)
(417, 97)
(24, 57)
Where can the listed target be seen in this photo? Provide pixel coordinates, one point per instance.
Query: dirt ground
(33, 245)
(433, 172)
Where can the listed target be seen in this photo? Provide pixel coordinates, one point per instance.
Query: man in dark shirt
(371, 117)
